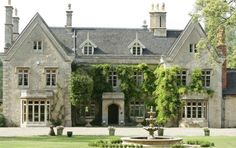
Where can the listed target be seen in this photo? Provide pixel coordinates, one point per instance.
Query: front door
(113, 114)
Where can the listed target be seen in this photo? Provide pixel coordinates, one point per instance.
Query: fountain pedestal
(152, 141)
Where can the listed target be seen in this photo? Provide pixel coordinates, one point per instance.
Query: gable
(37, 29)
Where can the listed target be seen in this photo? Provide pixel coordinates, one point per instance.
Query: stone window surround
(45, 75)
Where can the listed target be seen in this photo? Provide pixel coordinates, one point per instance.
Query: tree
(218, 16)
(166, 94)
(81, 88)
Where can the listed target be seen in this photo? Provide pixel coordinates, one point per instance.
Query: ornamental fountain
(152, 141)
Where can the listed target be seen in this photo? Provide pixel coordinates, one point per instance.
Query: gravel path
(121, 131)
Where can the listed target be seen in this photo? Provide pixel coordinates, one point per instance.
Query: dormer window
(88, 49)
(88, 46)
(137, 49)
(37, 45)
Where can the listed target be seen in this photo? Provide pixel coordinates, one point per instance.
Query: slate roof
(115, 41)
(231, 82)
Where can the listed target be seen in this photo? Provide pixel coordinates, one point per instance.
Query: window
(195, 109)
(206, 78)
(113, 78)
(23, 77)
(51, 77)
(37, 45)
(136, 49)
(88, 49)
(35, 111)
(137, 109)
(138, 78)
(182, 78)
(193, 48)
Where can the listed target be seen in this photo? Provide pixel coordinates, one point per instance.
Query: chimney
(8, 26)
(158, 20)
(15, 21)
(222, 51)
(69, 17)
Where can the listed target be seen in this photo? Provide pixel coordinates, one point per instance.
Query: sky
(97, 13)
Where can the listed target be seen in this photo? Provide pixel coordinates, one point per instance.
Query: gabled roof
(36, 21)
(115, 41)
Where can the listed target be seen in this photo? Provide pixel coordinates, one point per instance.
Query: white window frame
(113, 79)
(38, 45)
(182, 77)
(137, 109)
(23, 77)
(51, 73)
(193, 48)
(138, 78)
(195, 109)
(206, 78)
(88, 49)
(136, 49)
(35, 115)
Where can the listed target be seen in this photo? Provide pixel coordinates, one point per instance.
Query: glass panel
(194, 112)
(36, 113)
(199, 109)
(30, 113)
(42, 113)
(20, 79)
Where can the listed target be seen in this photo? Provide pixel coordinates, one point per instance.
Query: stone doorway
(113, 114)
(113, 108)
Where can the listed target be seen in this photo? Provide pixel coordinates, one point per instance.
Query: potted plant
(206, 131)
(60, 130)
(111, 130)
(69, 133)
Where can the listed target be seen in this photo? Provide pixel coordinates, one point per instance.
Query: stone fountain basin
(155, 142)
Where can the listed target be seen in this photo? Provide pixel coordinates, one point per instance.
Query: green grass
(82, 141)
(49, 141)
(219, 141)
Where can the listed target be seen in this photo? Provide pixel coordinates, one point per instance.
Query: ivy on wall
(160, 86)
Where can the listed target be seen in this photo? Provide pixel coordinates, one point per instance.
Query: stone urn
(88, 120)
(111, 130)
(60, 130)
(139, 120)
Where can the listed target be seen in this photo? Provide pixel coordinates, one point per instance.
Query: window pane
(30, 113)
(42, 113)
(36, 113)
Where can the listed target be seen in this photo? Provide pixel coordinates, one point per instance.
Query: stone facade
(42, 55)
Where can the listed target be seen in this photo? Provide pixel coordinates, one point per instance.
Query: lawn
(82, 141)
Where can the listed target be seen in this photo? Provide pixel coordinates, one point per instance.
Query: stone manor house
(37, 65)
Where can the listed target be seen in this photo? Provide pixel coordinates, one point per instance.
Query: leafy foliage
(166, 94)
(81, 87)
(219, 17)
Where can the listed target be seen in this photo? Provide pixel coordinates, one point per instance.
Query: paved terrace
(121, 131)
